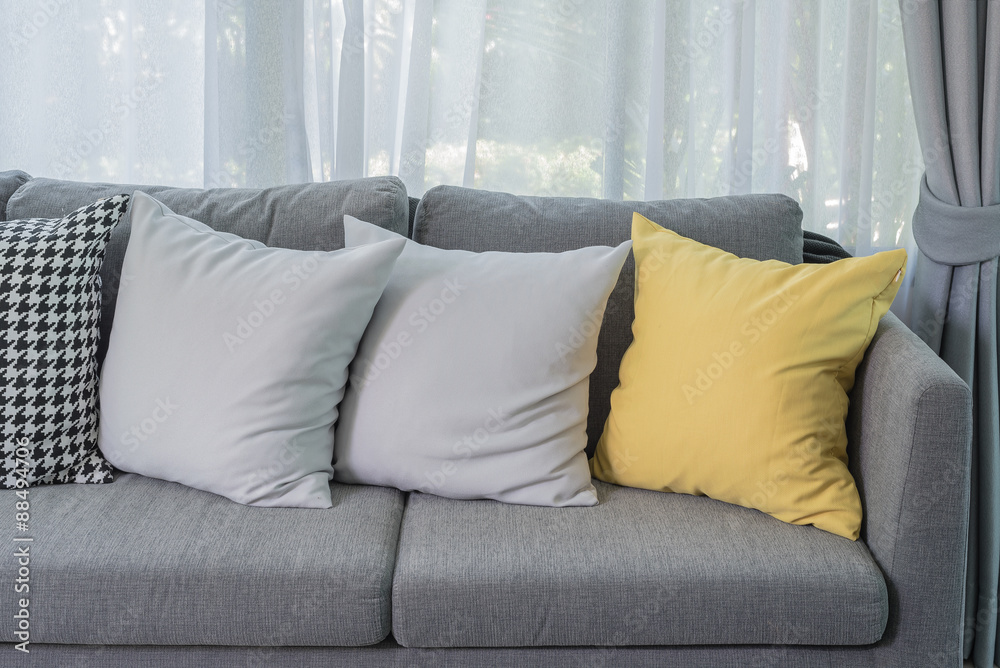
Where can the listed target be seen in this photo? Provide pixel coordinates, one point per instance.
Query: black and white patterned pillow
(50, 307)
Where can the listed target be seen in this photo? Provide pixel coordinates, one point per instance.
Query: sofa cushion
(9, 183)
(228, 359)
(508, 341)
(49, 324)
(641, 568)
(762, 227)
(302, 217)
(771, 346)
(148, 562)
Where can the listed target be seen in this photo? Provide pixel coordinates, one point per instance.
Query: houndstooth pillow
(50, 306)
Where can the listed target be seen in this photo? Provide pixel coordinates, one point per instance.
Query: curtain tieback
(955, 235)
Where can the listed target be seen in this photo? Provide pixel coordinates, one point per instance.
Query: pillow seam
(872, 326)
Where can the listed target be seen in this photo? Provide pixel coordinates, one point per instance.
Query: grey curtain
(953, 61)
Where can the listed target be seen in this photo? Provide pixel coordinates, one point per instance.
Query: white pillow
(227, 359)
(472, 378)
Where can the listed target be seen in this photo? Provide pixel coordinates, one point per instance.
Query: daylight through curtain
(643, 99)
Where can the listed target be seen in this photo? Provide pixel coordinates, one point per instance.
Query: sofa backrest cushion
(760, 226)
(302, 217)
(9, 183)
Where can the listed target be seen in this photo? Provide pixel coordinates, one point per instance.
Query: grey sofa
(147, 572)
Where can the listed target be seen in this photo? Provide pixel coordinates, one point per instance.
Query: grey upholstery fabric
(640, 568)
(303, 217)
(909, 435)
(978, 241)
(147, 562)
(953, 63)
(818, 249)
(389, 654)
(910, 428)
(414, 203)
(9, 183)
(759, 226)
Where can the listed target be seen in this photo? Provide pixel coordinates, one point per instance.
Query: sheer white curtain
(624, 99)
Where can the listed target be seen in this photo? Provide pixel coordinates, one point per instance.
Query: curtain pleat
(862, 61)
(953, 56)
(415, 139)
(213, 176)
(740, 180)
(622, 100)
(653, 178)
(617, 58)
(349, 143)
(988, 433)
(402, 84)
(478, 29)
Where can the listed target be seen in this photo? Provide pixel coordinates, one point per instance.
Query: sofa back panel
(305, 216)
(762, 227)
(9, 183)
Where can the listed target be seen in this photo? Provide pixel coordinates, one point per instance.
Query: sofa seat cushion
(640, 568)
(148, 562)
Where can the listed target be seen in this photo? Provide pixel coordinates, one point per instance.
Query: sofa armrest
(909, 433)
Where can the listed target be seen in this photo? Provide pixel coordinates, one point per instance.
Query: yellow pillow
(735, 385)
